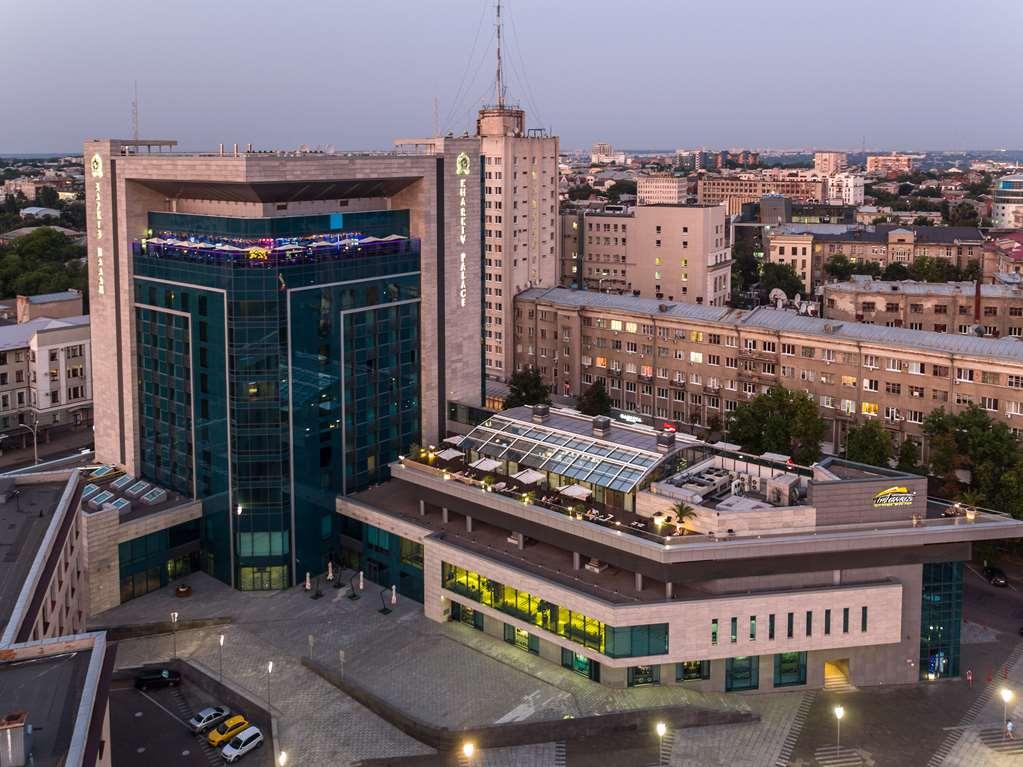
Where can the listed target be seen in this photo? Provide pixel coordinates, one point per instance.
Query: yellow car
(227, 730)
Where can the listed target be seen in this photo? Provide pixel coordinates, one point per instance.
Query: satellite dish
(978, 330)
(777, 294)
(797, 298)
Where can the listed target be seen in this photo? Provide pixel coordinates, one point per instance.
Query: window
(714, 631)
(789, 669)
(827, 622)
(845, 620)
(644, 676)
(916, 368)
(752, 628)
(742, 673)
(863, 618)
(691, 670)
(735, 630)
(809, 623)
(791, 625)
(770, 626)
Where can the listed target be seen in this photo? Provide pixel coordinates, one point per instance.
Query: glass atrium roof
(585, 459)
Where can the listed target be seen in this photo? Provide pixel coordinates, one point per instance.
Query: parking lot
(151, 728)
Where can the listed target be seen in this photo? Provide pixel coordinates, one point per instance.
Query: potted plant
(683, 512)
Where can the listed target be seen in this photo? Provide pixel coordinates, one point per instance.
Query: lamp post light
(1007, 697)
(221, 654)
(269, 671)
(839, 713)
(661, 728)
(174, 634)
(468, 750)
(282, 759)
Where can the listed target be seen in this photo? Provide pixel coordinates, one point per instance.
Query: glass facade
(691, 670)
(580, 664)
(290, 346)
(941, 616)
(389, 559)
(151, 561)
(615, 642)
(643, 676)
(742, 673)
(789, 669)
(522, 639)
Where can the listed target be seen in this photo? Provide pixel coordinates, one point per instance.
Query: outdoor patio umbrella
(485, 464)
(575, 491)
(529, 477)
(449, 455)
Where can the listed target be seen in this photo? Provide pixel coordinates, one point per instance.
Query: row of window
(790, 625)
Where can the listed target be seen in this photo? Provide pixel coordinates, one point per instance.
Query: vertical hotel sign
(96, 166)
(462, 172)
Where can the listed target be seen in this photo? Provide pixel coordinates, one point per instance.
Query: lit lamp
(282, 759)
(661, 728)
(839, 713)
(971, 513)
(468, 749)
(1007, 697)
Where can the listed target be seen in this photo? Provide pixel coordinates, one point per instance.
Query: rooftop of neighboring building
(50, 691)
(588, 299)
(25, 516)
(48, 298)
(912, 287)
(814, 229)
(19, 336)
(133, 497)
(924, 234)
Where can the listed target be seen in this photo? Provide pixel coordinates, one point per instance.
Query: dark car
(156, 679)
(995, 576)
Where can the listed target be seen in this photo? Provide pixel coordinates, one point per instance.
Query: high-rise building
(826, 163)
(262, 319)
(661, 189)
(1007, 202)
(890, 164)
(745, 188)
(845, 189)
(520, 216)
(605, 154)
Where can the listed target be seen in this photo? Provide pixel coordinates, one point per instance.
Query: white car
(208, 717)
(245, 741)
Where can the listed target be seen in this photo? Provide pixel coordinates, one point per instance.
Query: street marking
(166, 710)
(980, 575)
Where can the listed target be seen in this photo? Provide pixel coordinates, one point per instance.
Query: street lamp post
(174, 634)
(662, 728)
(468, 749)
(282, 759)
(221, 653)
(839, 713)
(269, 671)
(1007, 697)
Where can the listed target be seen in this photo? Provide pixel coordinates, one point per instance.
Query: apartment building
(793, 244)
(678, 252)
(520, 225)
(882, 244)
(736, 191)
(693, 364)
(845, 189)
(889, 164)
(603, 153)
(945, 307)
(45, 379)
(1007, 201)
(661, 190)
(557, 534)
(827, 162)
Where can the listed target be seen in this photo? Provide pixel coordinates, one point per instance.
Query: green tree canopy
(527, 388)
(780, 421)
(869, 443)
(581, 192)
(896, 270)
(595, 400)
(43, 261)
(783, 276)
(963, 214)
(909, 457)
(839, 267)
(744, 266)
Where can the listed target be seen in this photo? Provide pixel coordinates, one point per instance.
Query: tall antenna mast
(500, 71)
(436, 118)
(135, 113)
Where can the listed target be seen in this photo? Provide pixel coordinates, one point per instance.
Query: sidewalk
(60, 445)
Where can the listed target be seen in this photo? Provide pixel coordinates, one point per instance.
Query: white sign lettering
(96, 165)
(461, 170)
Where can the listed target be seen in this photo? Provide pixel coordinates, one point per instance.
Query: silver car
(208, 717)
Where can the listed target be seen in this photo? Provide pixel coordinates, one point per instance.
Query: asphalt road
(145, 729)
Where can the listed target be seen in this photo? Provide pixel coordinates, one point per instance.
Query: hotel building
(264, 318)
(561, 535)
(692, 365)
(678, 252)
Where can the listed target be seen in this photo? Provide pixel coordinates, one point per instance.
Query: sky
(356, 74)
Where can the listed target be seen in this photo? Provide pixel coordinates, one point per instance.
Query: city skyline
(769, 67)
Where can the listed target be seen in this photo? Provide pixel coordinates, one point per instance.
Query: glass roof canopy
(584, 459)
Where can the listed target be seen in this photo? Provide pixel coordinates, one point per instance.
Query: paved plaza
(453, 676)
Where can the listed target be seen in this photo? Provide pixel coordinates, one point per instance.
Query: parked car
(245, 741)
(157, 679)
(227, 730)
(208, 717)
(995, 576)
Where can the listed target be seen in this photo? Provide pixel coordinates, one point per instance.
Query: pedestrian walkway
(835, 756)
(996, 739)
(796, 728)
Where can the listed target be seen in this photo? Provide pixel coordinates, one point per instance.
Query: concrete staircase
(836, 680)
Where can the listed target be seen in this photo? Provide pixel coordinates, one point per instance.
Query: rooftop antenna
(135, 113)
(436, 118)
(500, 71)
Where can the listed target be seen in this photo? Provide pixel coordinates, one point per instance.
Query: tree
(625, 186)
(909, 457)
(870, 443)
(839, 267)
(527, 388)
(933, 269)
(780, 421)
(896, 270)
(43, 261)
(581, 192)
(47, 197)
(922, 221)
(744, 266)
(683, 512)
(595, 400)
(963, 214)
(783, 276)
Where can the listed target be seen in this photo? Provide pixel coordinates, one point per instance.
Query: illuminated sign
(96, 166)
(630, 418)
(894, 496)
(462, 170)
